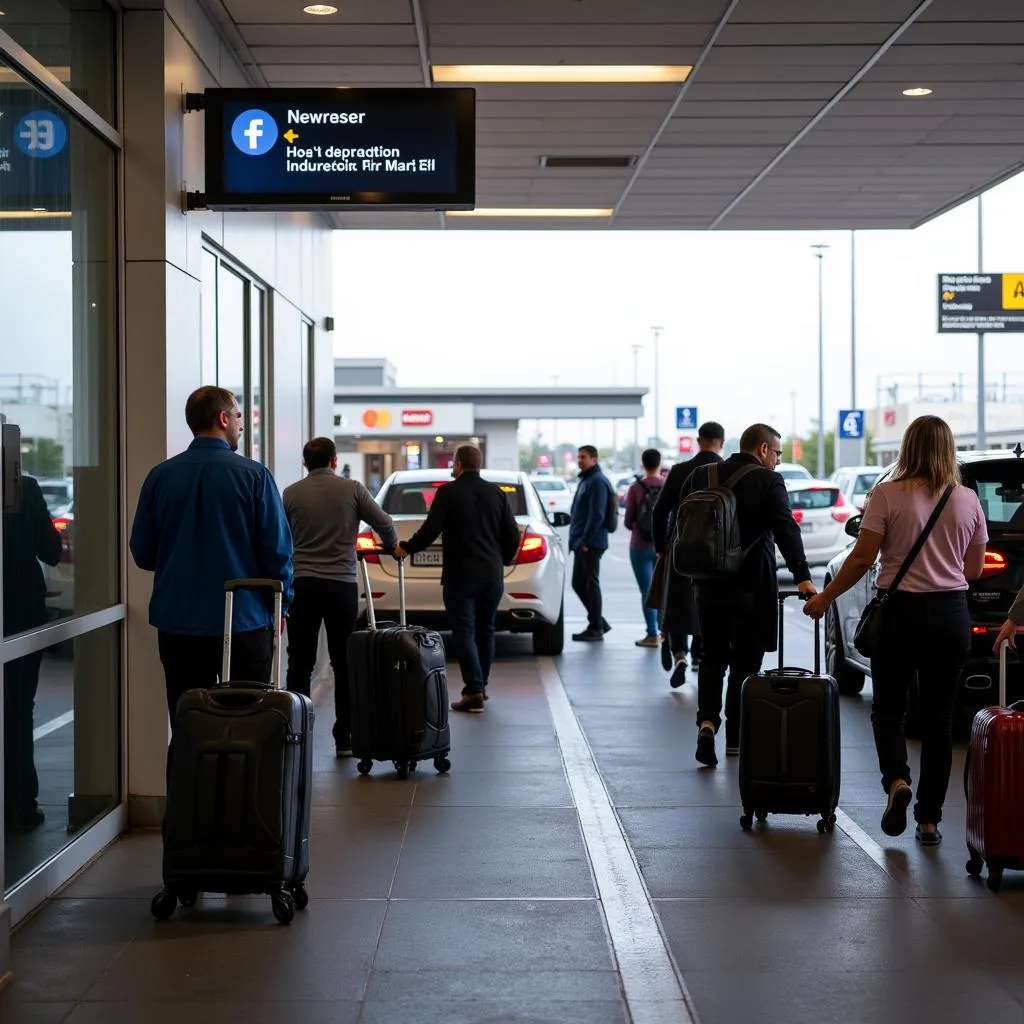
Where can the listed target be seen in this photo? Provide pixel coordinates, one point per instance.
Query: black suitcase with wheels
(789, 740)
(239, 780)
(399, 690)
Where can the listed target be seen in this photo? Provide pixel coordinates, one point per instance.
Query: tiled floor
(471, 898)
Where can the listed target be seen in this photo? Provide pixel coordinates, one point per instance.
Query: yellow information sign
(1013, 291)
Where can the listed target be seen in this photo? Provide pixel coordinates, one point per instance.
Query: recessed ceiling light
(561, 73)
(320, 9)
(496, 211)
(32, 214)
(917, 91)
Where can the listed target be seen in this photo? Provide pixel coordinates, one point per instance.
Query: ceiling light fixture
(320, 9)
(562, 73)
(497, 211)
(918, 90)
(32, 214)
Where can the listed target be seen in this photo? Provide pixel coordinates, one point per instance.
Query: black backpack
(707, 544)
(611, 512)
(645, 512)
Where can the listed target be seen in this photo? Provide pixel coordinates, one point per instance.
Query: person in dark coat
(738, 615)
(678, 611)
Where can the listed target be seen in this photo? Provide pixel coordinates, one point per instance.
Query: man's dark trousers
(195, 661)
(586, 582)
(335, 603)
(733, 643)
(472, 606)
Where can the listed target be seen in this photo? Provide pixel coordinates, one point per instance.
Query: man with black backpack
(730, 518)
(595, 514)
(639, 520)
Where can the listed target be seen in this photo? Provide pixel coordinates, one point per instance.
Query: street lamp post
(819, 254)
(657, 408)
(636, 383)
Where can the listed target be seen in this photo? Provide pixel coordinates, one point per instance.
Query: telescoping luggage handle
(783, 594)
(371, 615)
(230, 587)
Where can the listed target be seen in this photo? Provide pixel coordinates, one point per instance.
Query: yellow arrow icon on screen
(290, 135)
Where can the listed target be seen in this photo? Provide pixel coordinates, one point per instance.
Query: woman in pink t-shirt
(926, 627)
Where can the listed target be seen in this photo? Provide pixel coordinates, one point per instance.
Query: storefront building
(115, 305)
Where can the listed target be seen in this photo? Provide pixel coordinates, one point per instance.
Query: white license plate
(432, 558)
(807, 527)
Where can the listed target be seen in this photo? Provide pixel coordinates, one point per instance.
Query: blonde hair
(928, 454)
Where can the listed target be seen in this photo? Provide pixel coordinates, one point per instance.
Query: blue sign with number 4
(851, 424)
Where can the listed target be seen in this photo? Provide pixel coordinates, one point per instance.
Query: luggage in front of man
(789, 740)
(239, 779)
(994, 780)
(399, 689)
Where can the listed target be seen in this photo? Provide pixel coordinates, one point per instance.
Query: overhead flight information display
(329, 148)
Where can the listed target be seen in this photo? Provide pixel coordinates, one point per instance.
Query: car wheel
(849, 679)
(550, 640)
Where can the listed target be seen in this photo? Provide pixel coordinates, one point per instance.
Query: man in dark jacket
(479, 536)
(588, 540)
(739, 614)
(678, 615)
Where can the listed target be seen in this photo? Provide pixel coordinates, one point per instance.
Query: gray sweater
(324, 512)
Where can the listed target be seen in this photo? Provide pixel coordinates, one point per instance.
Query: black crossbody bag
(868, 637)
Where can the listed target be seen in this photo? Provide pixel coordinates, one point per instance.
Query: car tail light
(995, 563)
(798, 515)
(367, 542)
(840, 510)
(61, 524)
(532, 548)
(523, 597)
(978, 630)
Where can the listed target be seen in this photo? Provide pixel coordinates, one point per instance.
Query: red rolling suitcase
(995, 788)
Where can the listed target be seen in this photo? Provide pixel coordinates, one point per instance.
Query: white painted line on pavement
(653, 988)
(53, 725)
(877, 854)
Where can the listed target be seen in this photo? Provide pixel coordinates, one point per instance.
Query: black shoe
(666, 656)
(894, 817)
(678, 674)
(706, 746)
(28, 822)
(732, 749)
(929, 838)
(466, 693)
(343, 747)
(605, 628)
(589, 636)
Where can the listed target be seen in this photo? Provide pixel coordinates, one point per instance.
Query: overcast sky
(481, 309)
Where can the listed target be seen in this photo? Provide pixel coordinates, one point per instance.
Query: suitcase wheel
(746, 822)
(364, 767)
(975, 862)
(442, 764)
(163, 904)
(827, 824)
(284, 906)
(995, 878)
(188, 897)
(402, 768)
(300, 896)
(761, 815)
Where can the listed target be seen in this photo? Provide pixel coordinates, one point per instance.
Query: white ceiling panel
(278, 12)
(329, 35)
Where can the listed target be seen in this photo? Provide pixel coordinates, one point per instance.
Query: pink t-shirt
(899, 511)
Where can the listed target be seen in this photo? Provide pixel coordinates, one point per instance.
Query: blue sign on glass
(851, 424)
(686, 417)
(34, 155)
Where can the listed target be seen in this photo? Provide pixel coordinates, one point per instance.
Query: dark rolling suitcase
(789, 740)
(239, 780)
(399, 690)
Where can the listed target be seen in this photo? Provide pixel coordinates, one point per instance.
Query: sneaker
(471, 702)
(666, 656)
(605, 628)
(589, 636)
(894, 818)
(649, 641)
(706, 746)
(465, 693)
(28, 822)
(932, 838)
(678, 674)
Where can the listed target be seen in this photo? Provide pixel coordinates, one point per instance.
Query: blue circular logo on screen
(40, 134)
(254, 132)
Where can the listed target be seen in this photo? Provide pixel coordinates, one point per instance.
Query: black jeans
(335, 603)
(195, 661)
(472, 606)
(929, 634)
(586, 582)
(21, 783)
(732, 642)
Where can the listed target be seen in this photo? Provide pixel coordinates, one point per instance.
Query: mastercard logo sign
(377, 419)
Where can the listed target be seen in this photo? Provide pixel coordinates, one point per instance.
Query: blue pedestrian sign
(686, 417)
(851, 424)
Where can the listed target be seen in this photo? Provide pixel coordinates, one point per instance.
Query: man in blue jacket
(206, 516)
(588, 539)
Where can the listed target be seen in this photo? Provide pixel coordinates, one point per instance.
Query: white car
(793, 472)
(855, 482)
(822, 511)
(554, 493)
(533, 601)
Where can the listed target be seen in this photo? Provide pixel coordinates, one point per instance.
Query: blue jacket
(206, 516)
(589, 509)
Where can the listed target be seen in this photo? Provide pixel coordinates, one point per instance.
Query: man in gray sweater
(324, 511)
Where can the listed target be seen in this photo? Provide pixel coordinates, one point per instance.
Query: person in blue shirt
(588, 539)
(206, 516)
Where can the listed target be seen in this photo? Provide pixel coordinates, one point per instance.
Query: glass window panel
(61, 746)
(75, 39)
(257, 306)
(208, 346)
(231, 317)
(58, 383)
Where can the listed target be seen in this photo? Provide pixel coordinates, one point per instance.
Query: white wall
(167, 53)
(502, 448)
